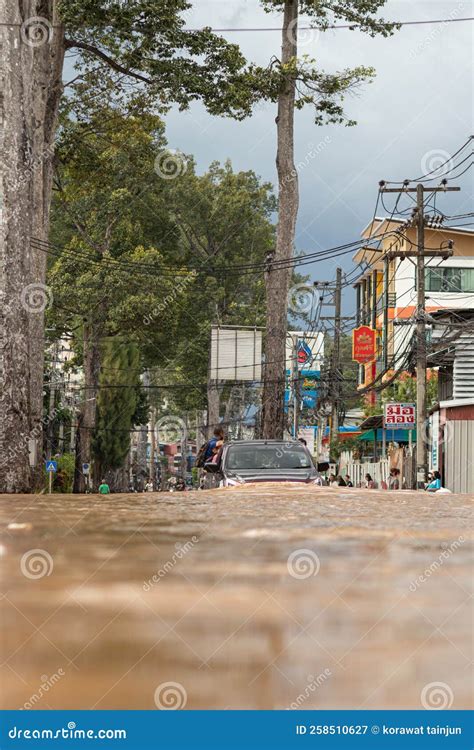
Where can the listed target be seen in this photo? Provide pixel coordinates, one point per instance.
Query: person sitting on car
(218, 436)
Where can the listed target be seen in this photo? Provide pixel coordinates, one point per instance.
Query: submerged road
(260, 597)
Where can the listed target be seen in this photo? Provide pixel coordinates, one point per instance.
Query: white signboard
(400, 416)
(434, 453)
(309, 350)
(236, 353)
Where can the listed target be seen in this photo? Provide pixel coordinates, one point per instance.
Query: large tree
(136, 256)
(110, 232)
(224, 220)
(119, 409)
(297, 83)
(140, 43)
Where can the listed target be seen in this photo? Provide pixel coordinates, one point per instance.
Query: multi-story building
(386, 290)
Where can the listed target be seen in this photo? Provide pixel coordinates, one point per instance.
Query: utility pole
(184, 447)
(336, 356)
(421, 446)
(296, 386)
(52, 401)
(420, 318)
(152, 470)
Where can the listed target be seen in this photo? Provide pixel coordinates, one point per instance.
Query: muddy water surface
(263, 597)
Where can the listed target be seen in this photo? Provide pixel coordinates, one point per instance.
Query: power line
(331, 27)
(440, 166)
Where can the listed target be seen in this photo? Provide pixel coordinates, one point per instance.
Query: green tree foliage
(119, 404)
(145, 42)
(403, 390)
(144, 259)
(224, 220)
(324, 91)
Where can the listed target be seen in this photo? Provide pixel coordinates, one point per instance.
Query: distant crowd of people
(434, 483)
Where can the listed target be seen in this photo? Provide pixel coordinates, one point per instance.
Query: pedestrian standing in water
(104, 488)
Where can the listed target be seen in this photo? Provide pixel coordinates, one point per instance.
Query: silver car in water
(245, 461)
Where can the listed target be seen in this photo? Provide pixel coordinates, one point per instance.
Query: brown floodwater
(263, 597)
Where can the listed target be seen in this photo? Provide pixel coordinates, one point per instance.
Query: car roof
(264, 442)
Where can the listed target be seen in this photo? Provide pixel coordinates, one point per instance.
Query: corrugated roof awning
(371, 423)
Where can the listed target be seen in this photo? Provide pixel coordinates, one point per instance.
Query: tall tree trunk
(278, 279)
(32, 54)
(86, 422)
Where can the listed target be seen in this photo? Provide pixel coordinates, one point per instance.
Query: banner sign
(309, 350)
(400, 416)
(434, 453)
(236, 353)
(364, 344)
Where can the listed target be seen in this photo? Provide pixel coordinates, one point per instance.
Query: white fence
(357, 470)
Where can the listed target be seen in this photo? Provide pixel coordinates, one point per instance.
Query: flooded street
(264, 597)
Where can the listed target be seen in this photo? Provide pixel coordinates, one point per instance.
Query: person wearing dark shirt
(212, 444)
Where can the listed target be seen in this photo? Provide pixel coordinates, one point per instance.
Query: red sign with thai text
(400, 416)
(364, 344)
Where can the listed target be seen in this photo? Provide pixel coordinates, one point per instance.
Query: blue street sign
(51, 465)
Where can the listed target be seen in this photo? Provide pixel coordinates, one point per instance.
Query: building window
(449, 279)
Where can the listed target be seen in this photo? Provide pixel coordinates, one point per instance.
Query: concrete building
(386, 290)
(451, 423)
(386, 301)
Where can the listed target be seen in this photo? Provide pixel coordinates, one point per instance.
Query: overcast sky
(418, 109)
